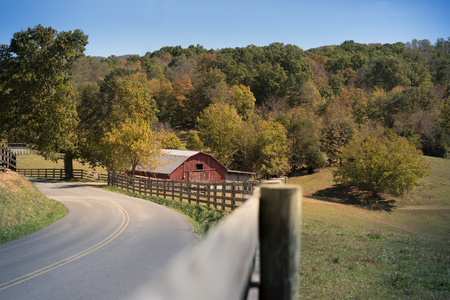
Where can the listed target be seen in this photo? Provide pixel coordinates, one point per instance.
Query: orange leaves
(182, 86)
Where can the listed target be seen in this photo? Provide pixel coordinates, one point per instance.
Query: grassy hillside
(397, 248)
(23, 209)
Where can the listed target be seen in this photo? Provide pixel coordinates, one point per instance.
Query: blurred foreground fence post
(279, 237)
(227, 265)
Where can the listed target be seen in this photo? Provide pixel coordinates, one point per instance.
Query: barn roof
(169, 161)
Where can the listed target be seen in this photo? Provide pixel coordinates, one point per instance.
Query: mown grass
(35, 161)
(398, 248)
(202, 218)
(23, 209)
(362, 259)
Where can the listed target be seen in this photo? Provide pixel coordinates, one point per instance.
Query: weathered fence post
(279, 234)
(197, 189)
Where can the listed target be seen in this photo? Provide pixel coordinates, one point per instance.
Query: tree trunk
(68, 164)
(133, 170)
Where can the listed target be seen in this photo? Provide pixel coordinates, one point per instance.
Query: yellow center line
(111, 237)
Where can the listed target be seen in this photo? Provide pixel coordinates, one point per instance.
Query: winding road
(106, 247)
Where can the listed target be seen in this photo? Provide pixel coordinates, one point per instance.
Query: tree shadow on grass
(344, 195)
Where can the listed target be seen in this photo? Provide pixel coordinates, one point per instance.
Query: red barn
(184, 165)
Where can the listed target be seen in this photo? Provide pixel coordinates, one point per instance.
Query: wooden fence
(8, 158)
(58, 174)
(224, 265)
(24, 152)
(222, 195)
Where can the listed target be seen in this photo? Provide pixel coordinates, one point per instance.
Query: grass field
(397, 248)
(35, 161)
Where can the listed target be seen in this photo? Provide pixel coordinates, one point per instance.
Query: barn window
(199, 166)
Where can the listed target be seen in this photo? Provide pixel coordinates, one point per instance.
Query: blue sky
(139, 26)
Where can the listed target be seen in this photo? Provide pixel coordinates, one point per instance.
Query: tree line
(273, 110)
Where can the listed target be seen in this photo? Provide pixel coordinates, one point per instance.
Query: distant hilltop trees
(272, 110)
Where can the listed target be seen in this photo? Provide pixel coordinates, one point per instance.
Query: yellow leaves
(381, 163)
(243, 100)
(131, 98)
(218, 124)
(398, 89)
(130, 144)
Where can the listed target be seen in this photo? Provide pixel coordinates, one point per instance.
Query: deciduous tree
(261, 147)
(124, 96)
(130, 144)
(304, 145)
(37, 104)
(193, 141)
(218, 126)
(169, 140)
(243, 100)
(334, 138)
(382, 163)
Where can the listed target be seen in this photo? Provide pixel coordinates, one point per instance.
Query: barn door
(203, 176)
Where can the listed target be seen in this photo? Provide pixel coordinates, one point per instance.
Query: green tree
(128, 97)
(308, 97)
(124, 96)
(334, 138)
(172, 99)
(205, 91)
(170, 141)
(390, 71)
(445, 117)
(36, 97)
(130, 144)
(382, 163)
(304, 145)
(270, 81)
(261, 147)
(407, 102)
(243, 100)
(87, 70)
(218, 125)
(193, 141)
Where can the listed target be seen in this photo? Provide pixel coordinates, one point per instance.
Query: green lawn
(35, 161)
(398, 248)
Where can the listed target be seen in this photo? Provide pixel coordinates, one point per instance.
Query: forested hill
(331, 89)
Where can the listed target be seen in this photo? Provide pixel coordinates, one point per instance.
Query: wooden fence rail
(7, 158)
(221, 266)
(58, 174)
(221, 195)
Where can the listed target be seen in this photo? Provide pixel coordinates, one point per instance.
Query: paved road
(106, 247)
